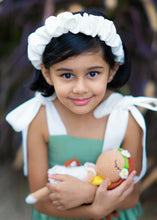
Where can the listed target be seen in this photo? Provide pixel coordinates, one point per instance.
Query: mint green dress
(62, 147)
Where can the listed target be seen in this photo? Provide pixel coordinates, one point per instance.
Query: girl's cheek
(101, 88)
(62, 90)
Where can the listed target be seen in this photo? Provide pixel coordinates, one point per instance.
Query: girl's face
(80, 81)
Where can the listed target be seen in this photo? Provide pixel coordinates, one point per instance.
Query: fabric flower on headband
(65, 22)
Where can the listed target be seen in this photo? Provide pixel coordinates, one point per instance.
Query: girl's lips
(81, 102)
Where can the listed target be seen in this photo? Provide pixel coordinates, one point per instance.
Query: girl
(79, 59)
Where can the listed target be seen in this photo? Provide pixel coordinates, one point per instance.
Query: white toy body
(80, 172)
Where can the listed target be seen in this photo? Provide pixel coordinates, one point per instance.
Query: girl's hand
(71, 192)
(106, 201)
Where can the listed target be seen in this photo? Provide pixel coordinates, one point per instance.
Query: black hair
(70, 44)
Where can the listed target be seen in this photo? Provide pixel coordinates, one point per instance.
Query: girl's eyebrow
(63, 69)
(90, 68)
(95, 67)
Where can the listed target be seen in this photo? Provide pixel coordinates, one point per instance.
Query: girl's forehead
(85, 59)
(89, 55)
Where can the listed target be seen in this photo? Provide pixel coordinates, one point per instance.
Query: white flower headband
(65, 22)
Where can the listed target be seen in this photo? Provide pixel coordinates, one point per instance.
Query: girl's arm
(133, 143)
(129, 197)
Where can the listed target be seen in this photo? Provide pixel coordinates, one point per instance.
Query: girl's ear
(113, 71)
(46, 74)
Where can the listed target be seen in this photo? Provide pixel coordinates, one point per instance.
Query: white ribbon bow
(127, 102)
(20, 117)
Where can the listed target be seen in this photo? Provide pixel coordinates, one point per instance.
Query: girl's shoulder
(39, 124)
(40, 117)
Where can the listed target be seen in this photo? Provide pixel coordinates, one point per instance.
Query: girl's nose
(80, 87)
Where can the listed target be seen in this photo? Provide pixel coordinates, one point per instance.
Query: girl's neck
(66, 113)
(86, 125)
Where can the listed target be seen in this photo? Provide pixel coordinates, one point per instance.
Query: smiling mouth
(81, 102)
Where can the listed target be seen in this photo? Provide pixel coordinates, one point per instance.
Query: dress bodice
(63, 148)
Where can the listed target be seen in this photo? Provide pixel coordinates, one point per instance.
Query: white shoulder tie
(118, 120)
(21, 117)
(126, 102)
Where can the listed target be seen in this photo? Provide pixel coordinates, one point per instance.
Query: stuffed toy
(114, 164)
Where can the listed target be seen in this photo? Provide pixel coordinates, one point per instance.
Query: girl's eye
(93, 74)
(67, 75)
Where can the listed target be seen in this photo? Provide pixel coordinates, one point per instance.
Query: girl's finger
(127, 185)
(51, 187)
(56, 203)
(58, 177)
(60, 208)
(128, 191)
(52, 195)
(104, 185)
(130, 179)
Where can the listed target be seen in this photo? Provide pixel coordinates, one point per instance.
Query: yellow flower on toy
(126, 153)
(124, 173)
